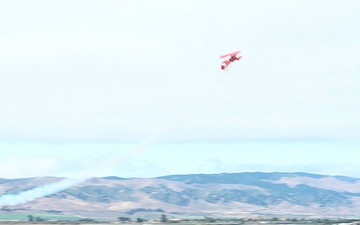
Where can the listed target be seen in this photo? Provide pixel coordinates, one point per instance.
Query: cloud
(27, 166)
(18, 166)
(341, 169)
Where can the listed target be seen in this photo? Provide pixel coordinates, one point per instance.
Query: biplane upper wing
(230, 54)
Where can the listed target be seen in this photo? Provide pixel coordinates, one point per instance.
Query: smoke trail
(158, 135)
(30, 195)
(46, 190)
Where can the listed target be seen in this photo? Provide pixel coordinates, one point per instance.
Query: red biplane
(231, 57)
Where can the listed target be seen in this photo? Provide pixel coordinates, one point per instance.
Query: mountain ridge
(225, 194)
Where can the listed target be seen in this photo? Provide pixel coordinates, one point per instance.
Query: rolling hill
(227, 194)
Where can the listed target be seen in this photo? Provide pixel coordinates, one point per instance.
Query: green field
(46, 217)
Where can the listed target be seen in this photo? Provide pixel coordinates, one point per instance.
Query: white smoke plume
(46, 190)
(30, 195)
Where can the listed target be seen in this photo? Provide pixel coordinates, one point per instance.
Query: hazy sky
(83, 83)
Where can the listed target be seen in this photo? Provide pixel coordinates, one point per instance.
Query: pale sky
(83, 83)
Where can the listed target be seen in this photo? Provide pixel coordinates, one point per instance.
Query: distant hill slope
(226, 194)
